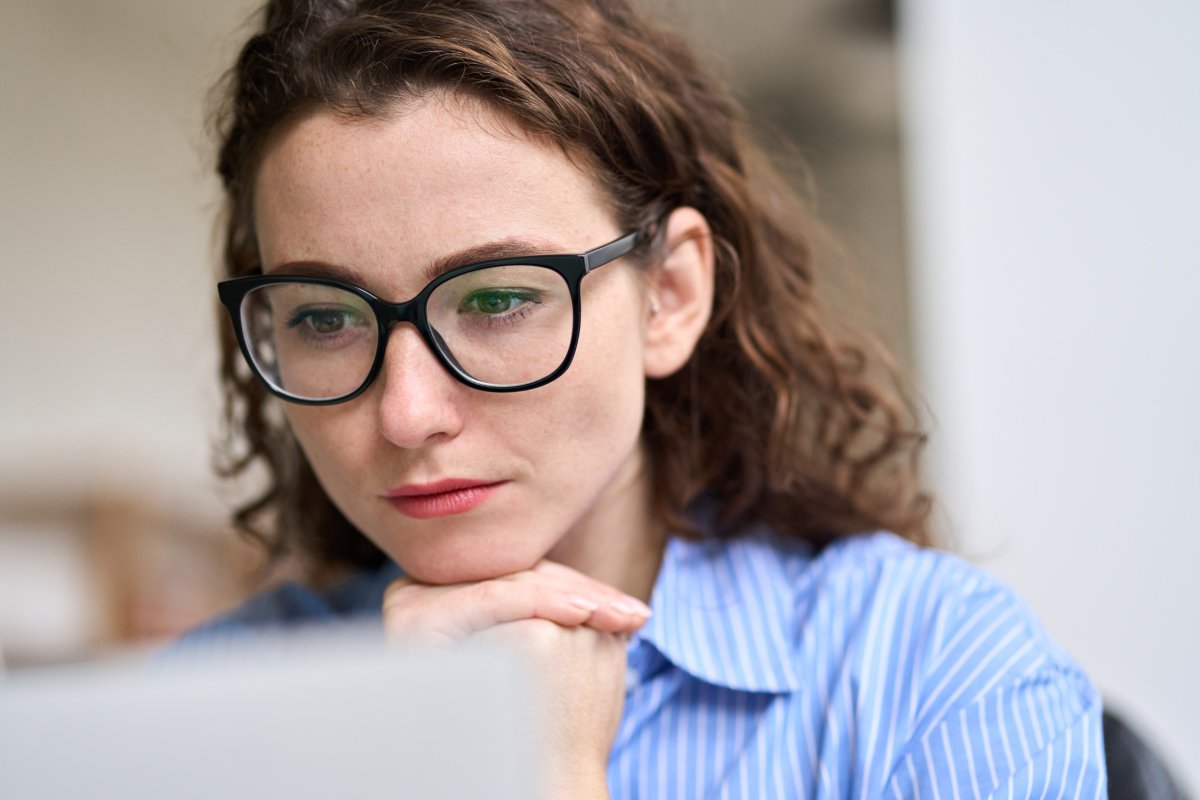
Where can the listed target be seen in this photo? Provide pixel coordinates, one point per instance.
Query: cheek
(336, 441)
(603, 391)
(612, 335)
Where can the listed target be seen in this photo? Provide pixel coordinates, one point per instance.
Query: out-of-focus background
(1013, 185)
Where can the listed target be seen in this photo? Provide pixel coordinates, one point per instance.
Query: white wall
(1055, 169)
(107, 359)
(105, 213)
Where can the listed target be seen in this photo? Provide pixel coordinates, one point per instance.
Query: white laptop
(313, 716)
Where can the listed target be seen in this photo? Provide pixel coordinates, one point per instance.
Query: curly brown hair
(776, 417)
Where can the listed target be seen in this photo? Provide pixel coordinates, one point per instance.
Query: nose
(419, 401)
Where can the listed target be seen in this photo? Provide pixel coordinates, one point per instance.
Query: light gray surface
(293, 720)
(1053, 154)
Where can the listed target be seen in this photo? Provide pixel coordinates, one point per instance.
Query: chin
(449, 561)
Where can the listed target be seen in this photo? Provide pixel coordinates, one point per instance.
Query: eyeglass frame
(572, 268)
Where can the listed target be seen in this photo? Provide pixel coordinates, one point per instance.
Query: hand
(443, 616)
(572, 626)
(579, 677)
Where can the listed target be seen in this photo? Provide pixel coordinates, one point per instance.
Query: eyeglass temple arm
(611, 251)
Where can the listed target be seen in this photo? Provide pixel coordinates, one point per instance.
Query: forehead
(439, 175)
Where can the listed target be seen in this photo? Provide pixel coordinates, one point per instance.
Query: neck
(618, 541)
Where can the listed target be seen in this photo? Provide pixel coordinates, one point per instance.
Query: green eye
(494, 301)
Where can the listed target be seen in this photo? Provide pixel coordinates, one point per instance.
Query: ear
(680, 293)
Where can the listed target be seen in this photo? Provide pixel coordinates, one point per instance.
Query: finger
(611, 619)
(450, 615)
(564, 575)
(612, 611)
(619, 612)
(563, 644)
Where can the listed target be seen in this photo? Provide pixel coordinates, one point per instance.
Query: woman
(496, 439)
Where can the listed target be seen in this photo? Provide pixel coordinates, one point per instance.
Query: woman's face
(380, 201)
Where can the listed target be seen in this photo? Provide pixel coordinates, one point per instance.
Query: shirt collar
(725, 611)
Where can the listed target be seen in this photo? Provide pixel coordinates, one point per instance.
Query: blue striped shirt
(872, 669)
(869, 669)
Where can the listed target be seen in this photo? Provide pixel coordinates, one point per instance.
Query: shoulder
(953, 628)
(937, 600)
(884, 576)
(944, 664)
(295, 605)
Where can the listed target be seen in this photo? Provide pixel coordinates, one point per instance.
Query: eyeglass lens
(504, 326)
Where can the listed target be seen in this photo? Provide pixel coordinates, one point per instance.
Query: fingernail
(581, 602)
(631, 606)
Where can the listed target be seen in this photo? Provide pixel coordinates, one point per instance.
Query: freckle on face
(384, 198)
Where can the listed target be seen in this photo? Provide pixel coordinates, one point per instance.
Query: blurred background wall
(1011, 186)
(108, 515)
(1053, 172)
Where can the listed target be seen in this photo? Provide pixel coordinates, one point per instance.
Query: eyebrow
(510, 247)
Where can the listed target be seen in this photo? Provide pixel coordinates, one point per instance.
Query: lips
(441, 498)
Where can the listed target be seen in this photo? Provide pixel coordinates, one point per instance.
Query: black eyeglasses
(501, 326)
